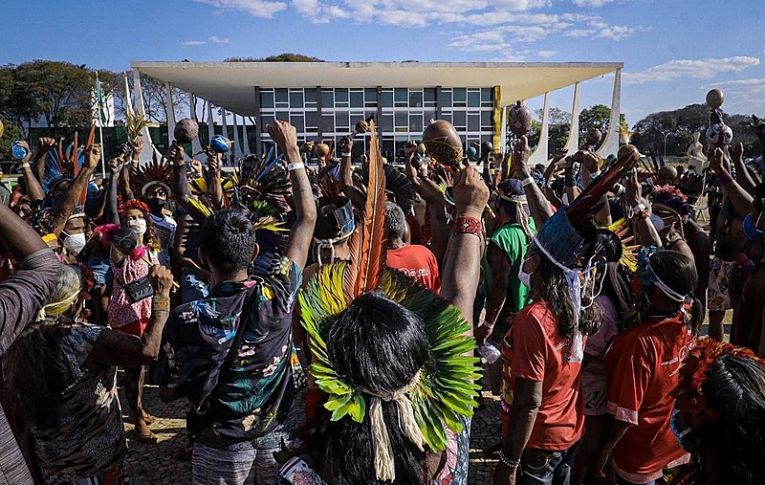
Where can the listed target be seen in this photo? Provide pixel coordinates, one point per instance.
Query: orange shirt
(643, 368)
(537, 352)
(417, 262)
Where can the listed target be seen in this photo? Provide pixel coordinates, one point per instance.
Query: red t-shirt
(643, 368)
(537, 352)
(418, 263)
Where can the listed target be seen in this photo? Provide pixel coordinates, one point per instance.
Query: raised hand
(285, 136)
(470, 193)
(346, 144)
(161, 280)
(175, 154)
(520, 158)
(115, 166)
(46, 143)
(410, 149)
(92, 156)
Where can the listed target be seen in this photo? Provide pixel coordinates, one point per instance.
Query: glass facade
(403, 113)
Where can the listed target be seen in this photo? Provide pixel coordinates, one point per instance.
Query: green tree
(285, 57)
(12, 132)
(678, 127)
(597, 116)
(57, 93)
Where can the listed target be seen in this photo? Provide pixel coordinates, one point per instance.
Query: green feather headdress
(442, 391)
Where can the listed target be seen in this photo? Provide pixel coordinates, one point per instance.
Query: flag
(100, 100)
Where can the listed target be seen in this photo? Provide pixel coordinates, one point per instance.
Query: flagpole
(99, 102)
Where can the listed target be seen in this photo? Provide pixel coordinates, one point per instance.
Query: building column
(146, 155)
(498, 117)
(237, 144)
(245, 138)
(170, 112)
(225, 134)
(210, 123)
(610, 145)
(257, 121)
(541, 151)
(572, 145)
(196, 143)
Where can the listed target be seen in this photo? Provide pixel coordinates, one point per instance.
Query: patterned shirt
(248, 398)
(87, 439)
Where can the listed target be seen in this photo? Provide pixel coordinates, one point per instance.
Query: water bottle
(18, 151)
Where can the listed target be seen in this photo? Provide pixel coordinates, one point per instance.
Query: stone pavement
(160, 464)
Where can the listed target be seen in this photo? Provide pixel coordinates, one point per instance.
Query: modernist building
(324, 100)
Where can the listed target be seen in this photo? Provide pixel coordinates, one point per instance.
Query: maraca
(186, 131)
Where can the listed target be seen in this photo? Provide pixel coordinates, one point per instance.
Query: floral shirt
(246, 399)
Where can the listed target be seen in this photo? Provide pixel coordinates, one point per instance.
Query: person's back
(656, 348)
(537, 352)
(231, 353)
(418, 263)
(80, 433)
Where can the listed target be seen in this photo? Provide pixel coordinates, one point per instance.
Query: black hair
(678, 272)
(227, 240)
(554, 290)
(395, 221)
(735, 389)
(378, 345)
(326, 223)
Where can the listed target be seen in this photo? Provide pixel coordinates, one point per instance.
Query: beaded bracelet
(512, 464)
(527, 181)
(160, 304)
(468, 225)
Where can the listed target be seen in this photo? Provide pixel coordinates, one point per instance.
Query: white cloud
(591, 3)
(213, 39)
(256, 8)
(546, 54)
(694, 68)
(487, 41)
(578, 33)
(616, 32)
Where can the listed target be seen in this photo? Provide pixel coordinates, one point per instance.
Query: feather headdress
(157, 172)
(442, 392)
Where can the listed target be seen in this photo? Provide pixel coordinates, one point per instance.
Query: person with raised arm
(231, 353)
(22, 295)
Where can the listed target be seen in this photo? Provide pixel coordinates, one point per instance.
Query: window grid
(405, 112)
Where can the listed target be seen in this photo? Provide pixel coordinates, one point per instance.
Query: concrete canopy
(230, 84)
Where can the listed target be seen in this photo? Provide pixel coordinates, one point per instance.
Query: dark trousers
(543, 467)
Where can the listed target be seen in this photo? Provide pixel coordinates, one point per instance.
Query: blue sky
(673, 50)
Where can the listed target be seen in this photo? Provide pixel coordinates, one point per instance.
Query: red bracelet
(468, 225)
(724, 177)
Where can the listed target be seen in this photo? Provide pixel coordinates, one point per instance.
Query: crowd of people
(333, 321)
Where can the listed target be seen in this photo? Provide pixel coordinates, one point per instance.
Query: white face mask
(139, 225)
(524, 276)
(74, 243)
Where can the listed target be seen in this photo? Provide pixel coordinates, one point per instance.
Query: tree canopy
(680, 125)
(285, 57)
(54, 93)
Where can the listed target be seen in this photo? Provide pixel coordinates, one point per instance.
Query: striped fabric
(13, 468)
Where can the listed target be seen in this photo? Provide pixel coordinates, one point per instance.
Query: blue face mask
(750, 228)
